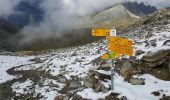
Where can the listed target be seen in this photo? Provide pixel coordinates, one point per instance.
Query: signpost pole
(112, 74)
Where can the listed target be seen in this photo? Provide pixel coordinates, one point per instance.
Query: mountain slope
(8, 32)
(121, 15)
(160, 17)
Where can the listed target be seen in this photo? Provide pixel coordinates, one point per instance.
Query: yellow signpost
(122, 41)
(118, 46)
(121, 45)
(122, 49)
(101, 32)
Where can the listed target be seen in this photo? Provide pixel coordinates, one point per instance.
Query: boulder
(104, 66)
(136, 81)
(100, 87)
(156, 93)
(78, 97)
(154, 59)
(75, 84)
(156, 64)
(90, 81)
(164, 97)
(71, 86)
(74, 54)
(67, 97)
(151, 57)
(93, 78)
(114, 96)
(62, 80)
(126, 69)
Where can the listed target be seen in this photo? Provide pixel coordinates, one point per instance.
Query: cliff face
(139, 9)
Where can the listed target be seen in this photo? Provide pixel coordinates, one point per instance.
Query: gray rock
(154, 59)
(136, 81)
(93, 77)
(74, 54)
(139, 52)
(99, 76)
(90, 81)
(166, 42)
(78, 97)
(155, 64)
(112, 96)
(126, 69)
(78, 60)
(75, 84)
(37, 60)
(164, 97)
(63, 80)
(155, 56)
(104, 66)
(67, 97)
(153, 43)
(100, 87)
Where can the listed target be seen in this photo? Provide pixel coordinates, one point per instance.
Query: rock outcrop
(154, 59)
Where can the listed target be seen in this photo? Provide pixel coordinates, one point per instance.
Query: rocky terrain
(79, 73)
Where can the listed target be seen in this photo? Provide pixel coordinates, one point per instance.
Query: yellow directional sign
(117, 45)
(121, 41)
(122, 49)
(101, 32)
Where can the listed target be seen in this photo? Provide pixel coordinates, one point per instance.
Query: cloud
(63, 15)
(66, 14)
(7, 7)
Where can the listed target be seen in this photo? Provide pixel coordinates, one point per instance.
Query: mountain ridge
(121, 15)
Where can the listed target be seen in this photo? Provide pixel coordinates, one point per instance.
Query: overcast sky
(81, 6)
(7, 6)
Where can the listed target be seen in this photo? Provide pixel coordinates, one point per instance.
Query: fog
(65, 14)
(7, 7)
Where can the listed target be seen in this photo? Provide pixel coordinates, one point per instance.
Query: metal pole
(112, 74)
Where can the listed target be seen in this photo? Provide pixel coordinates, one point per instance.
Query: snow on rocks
(7, 62)
(79, 72)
